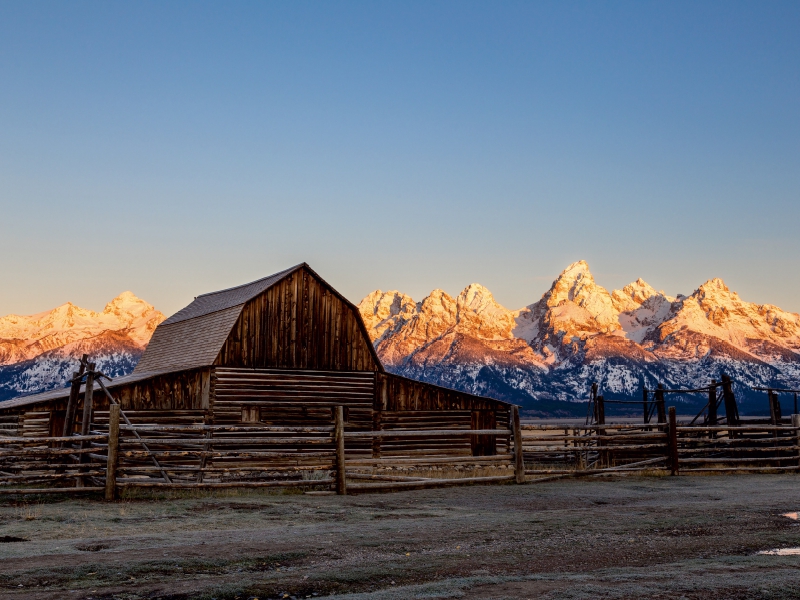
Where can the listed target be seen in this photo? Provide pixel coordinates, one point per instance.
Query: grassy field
(632, 537)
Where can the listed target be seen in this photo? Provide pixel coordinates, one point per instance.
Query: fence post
(87, 401)
(341, 479)
(72, 403)
(603, 458)
(646, 406)
(731, 410)
(662, 415)
(774, 407)
(673, 441)
(796, 423)
(87, 417)
(519, 459)
(712, 405)
(113, 452)
(600, 410)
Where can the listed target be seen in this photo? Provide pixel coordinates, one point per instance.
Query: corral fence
(115, 455)
(553, 451)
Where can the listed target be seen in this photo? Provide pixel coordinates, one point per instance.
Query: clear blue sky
(178, 148)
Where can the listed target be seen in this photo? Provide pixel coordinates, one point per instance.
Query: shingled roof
(230, 298)
(194, 335)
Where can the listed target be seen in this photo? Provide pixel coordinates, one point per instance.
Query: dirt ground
(632, 537)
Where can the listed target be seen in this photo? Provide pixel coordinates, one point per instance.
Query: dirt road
(673, 537)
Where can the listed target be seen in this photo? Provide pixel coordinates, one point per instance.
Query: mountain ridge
(579, 332)
(38, 352)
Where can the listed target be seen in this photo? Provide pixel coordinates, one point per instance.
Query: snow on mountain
(38, 352)
(577, 333)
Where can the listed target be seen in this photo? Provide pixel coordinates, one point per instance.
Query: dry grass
(441, 472)
(30, 512)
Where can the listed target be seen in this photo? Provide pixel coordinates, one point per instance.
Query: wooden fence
(552, 451)
(333, 459)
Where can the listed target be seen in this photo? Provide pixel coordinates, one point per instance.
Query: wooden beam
(113, 448)
(341, 475)
(519, 458)
(673, 441)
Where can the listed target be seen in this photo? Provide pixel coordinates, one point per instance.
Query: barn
(282, 350)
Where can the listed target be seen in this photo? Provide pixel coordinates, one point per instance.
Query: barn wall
(10, 422)
(400, 393)
(299, 323)
(287, 397)
(185, 390)
(407, 404)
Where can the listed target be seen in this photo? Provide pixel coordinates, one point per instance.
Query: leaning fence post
(87, 401)
(519, 459)
(341, 479)
(796, 423)
(113, 452)
(87, 417)
(673, 441)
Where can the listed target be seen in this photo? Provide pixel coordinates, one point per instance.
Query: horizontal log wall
(9, 424)
(402, 394)
(286, 397)
(279, 397)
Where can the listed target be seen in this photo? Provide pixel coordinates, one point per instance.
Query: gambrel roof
(194, 336)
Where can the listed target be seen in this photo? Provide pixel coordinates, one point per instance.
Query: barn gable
(290, 320)
(299, 322)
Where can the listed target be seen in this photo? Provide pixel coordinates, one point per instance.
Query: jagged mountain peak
(130, 308)
(714, 287)
(578, 332)
(639, 291)
(25, 337)
(38, 352)
(476, 298)
(571, 282)
(438, 302)
(634, 295)
(577, 286)
(381, 311)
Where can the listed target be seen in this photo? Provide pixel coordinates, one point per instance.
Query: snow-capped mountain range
(579, 332)
(544, 356)
(39, 352)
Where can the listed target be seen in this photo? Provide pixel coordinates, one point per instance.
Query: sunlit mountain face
(39, 352)
(545, 356)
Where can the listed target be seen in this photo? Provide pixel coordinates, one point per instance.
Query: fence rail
(338, 459)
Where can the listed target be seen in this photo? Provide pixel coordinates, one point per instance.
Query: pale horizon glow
(173, 149)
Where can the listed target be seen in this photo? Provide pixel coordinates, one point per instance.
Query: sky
(176, 148)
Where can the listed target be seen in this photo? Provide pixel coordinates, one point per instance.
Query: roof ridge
(236, 287)
(213, 302)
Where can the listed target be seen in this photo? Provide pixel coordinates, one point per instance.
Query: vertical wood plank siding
(299, 323)
(173, 391)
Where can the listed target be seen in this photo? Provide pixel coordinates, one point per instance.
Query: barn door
(484, 445)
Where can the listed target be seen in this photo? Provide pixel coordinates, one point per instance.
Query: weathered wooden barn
(283, 350)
